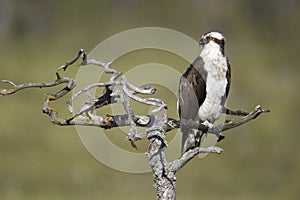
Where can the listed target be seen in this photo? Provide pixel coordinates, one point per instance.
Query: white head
(213, 34)
(215, 37)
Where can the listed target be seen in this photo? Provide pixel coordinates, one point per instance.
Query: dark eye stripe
(209, 38)
(220, 42)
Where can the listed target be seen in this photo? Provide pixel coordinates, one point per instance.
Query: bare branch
(187, 156)
(236, 112)
(81, 53)
(70, 85)
(149, 101)
(147, 89)
(131, 118)
(122, 91)
(86, 91)
(115, 73)
(9, 82)
(233, 124)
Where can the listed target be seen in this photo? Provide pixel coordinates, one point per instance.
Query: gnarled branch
(121, 91)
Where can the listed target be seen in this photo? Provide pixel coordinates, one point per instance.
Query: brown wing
(228, 76)
(192, 93)
(192, 90)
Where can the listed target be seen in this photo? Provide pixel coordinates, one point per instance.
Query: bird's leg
(207, 124)
(203, 128)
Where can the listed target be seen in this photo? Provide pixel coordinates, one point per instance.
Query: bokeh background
(261, 159)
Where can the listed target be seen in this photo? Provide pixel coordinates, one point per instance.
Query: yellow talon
(57, 120)
(108, 118)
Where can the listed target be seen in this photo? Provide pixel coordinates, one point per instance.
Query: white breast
(216, 66)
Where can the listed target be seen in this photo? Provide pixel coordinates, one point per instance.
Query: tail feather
(191, 135)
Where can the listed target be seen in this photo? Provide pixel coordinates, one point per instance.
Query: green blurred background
(260, 161)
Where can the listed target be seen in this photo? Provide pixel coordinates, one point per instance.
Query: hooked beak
(203, 41)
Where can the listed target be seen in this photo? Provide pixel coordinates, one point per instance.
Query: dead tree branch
(120, 90)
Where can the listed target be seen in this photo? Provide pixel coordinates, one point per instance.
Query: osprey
(203, 89)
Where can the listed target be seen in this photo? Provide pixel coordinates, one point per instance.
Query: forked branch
(119, 90)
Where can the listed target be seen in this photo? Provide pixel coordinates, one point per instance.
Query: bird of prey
(203, 89)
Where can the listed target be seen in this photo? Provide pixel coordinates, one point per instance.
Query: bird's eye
(209, 38)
